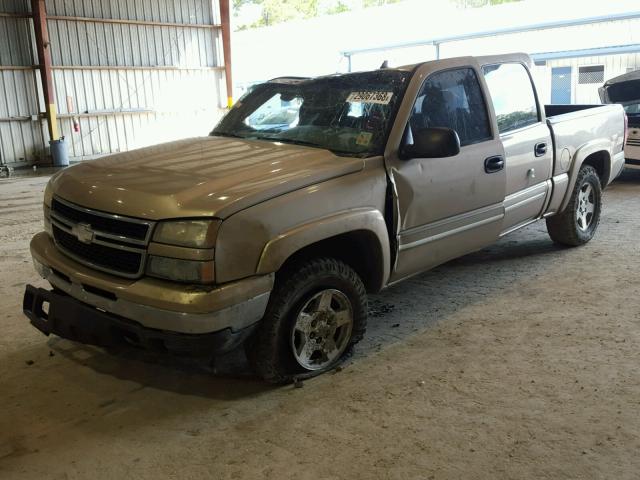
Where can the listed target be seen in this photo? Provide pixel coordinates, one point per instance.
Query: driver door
(447, 207)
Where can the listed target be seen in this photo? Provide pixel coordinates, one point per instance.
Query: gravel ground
(519, 361)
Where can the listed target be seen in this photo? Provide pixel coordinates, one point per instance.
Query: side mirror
(434, 142)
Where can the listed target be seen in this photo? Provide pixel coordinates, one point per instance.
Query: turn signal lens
(177, 270)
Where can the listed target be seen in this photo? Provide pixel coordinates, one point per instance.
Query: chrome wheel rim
(586, 207)
(322, 329)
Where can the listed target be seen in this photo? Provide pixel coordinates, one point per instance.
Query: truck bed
(573, 126)
(560, 109)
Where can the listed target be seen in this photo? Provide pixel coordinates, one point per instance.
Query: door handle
(494, 164)
(540, 149)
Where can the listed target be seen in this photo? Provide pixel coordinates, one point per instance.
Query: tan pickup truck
(306, 196)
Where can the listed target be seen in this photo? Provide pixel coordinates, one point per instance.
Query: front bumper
(57, 313)
(151, 303)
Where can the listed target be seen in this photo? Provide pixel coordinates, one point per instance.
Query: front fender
(279, 249)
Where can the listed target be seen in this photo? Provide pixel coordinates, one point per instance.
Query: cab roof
(483, 60)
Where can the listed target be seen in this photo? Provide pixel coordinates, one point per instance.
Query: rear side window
(512, 95)
(453, 99)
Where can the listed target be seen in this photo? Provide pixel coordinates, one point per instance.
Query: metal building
(577, 45)
(123, 74)
(572, 57)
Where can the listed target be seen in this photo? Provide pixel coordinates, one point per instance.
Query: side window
(453, 99)
(512, 94)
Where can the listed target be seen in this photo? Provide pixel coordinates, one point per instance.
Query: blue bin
(59, 153)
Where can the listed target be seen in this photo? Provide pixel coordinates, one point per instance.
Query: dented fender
(279, 249)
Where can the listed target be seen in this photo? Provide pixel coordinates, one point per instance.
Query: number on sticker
(382, 98)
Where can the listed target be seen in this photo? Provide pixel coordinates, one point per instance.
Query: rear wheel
(578, 223)
(314, 317)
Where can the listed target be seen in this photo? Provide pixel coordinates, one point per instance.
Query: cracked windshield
(348, 114)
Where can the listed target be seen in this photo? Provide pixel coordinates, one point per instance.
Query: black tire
(269, 350)
(564, 228)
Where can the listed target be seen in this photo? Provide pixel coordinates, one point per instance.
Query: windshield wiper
(269, 139)
(225, 134)
(305, 144)
(290, 140)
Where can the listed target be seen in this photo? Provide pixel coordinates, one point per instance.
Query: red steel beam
(131, 22)
(43, 47)
(226, 48)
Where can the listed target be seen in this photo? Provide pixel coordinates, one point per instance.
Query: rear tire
(315, 316)
(578, 223)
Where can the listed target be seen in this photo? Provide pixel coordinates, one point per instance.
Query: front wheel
(316, 313)
(578, 223)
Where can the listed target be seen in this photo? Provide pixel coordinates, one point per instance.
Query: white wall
(614, 65)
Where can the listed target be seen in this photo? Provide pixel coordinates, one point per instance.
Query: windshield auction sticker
(382, 98)
(364, 139)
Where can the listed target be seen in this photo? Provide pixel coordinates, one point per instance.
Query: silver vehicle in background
(625, 90)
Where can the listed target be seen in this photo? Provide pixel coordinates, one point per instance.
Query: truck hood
(197, 177)
(624, 89)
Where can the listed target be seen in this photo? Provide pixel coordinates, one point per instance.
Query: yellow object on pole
(226, 48)
(43, 47)
(52, 121)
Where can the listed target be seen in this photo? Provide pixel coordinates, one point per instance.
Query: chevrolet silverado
(309, 194)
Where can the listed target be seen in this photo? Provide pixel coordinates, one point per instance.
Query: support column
(226, 48)
(43, 47)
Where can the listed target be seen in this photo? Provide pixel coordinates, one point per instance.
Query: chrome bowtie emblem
(83, 232)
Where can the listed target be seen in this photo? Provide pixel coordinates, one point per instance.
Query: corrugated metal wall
(127, 73)
(21, 130)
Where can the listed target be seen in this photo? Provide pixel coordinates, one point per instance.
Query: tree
(481, 3)
(277, 11)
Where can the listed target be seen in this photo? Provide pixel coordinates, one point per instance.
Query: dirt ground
(519, 361)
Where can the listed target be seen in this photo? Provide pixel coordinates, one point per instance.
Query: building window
(592, 74)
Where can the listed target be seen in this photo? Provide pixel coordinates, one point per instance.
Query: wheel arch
(359, 238)
(594, 154)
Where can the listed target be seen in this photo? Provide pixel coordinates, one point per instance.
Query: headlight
(187, 233)
(191, 271)
(47, 219)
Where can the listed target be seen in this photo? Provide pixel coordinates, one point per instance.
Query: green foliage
(378, 3)
(481, 3)
(278, 11)
(338, 8)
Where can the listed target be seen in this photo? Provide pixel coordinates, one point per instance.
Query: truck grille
(111, 224)
(104, 241)
(105, 257)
